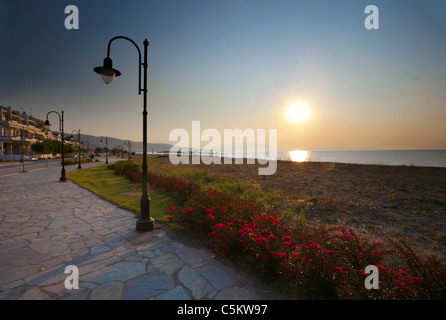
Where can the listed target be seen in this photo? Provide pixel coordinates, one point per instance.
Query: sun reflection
(298, 155)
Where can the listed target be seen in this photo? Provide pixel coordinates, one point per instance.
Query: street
(13, 168)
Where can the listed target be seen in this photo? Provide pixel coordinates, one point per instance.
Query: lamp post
(145, 222)
(129, 144)
(79, 141)
(63, 178)
(22, 149)
(106, 149)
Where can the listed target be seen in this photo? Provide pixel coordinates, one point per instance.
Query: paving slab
(47, 225)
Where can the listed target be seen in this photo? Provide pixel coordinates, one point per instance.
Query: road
(14, 168)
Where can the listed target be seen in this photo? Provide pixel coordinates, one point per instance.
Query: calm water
(422, 158)
(419, 158)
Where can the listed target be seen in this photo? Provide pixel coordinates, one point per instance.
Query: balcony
(17, 125)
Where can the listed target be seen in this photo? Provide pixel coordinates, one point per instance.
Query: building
(18, 131)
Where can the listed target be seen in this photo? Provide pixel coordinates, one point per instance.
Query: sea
(418, 158)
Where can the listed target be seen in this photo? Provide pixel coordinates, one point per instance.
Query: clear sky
(235, 64)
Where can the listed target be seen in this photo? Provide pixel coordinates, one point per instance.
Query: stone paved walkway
(46, 225)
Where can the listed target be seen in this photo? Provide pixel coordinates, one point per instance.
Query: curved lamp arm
(60, 119)
(139, 55)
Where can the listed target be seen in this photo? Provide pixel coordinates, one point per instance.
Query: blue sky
(236, 64)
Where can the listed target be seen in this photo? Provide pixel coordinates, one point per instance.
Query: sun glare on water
(298, 112)
(298, 155)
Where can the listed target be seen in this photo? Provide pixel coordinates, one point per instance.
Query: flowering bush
(314, 262)
(173, 185)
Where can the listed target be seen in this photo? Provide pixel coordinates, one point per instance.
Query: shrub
(120, 167)
(315, 262)
(174, 185)
(69, 162)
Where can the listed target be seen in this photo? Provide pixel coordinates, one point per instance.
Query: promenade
(46, 225)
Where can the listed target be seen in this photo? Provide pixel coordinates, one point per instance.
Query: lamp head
(107, 72)
(47, 125)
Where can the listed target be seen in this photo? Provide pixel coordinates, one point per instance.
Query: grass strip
(120, 191)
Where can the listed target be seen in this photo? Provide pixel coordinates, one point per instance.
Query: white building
(18, 131)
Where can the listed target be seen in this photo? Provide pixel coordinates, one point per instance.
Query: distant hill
(115, 142)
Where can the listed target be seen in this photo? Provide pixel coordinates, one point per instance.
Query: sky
(235, 64)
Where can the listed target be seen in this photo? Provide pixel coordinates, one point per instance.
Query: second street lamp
(129, 144)
(145, 222)
(106, 149)
(79, 141)
(63, 178)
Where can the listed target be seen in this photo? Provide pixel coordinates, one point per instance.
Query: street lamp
(145, 222)
(63, 178)
(79, 140)
(106, 149)
(129, 144)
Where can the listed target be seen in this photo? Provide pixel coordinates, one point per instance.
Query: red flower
(170, 218)
(295, 254)
(340, 270)
(261, 240)
(282, 255)
(408, 291)
(290, 244)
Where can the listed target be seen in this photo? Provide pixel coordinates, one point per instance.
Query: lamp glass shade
(47, 125)
(107, 78)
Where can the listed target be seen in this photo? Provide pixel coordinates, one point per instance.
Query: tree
(51, 146)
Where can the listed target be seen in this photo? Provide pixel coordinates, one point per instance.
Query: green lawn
(120, 191)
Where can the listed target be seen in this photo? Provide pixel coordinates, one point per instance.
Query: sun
(298, 112)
